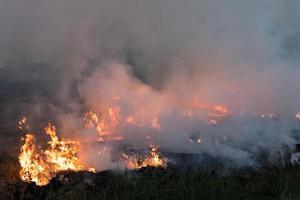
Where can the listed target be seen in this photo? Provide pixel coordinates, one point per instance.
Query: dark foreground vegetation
(153, 183)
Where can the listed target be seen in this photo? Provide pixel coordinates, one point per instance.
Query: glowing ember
(40, 167)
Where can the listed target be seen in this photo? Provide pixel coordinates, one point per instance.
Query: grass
(155, 184)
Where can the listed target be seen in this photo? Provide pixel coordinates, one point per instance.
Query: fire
(213, 110)
(135, 120)
(92, 169)
(91, 120)
(152, 159)
(104, 126)
(62, 154)
(33, 168)
(40, 167)
(143, 119)
(211, 114)
(114, 114)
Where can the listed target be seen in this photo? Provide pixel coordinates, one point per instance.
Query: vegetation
(266, 183)
(280, 182)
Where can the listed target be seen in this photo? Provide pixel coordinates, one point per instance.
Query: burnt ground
(18, 97)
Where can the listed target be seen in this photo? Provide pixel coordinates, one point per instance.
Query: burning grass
(54, 171)
(40, 167)
(158, 183)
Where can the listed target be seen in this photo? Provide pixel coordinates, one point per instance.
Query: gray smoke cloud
(159, 56)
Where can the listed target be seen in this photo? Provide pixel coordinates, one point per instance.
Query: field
(266, 182)
(149, 100)
(154, 183)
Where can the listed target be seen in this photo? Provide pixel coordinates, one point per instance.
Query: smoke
(157, 57)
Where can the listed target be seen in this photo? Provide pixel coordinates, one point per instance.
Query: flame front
(154, 159)
(33, 168)
(40, 167)
(62, 154)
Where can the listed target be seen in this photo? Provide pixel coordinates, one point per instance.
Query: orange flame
(104, 127)
(40, 167)
(33, 168)
(153, 159)
(61, 154)
(212, 113)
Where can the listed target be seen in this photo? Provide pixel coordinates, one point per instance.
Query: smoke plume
(157, 60)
